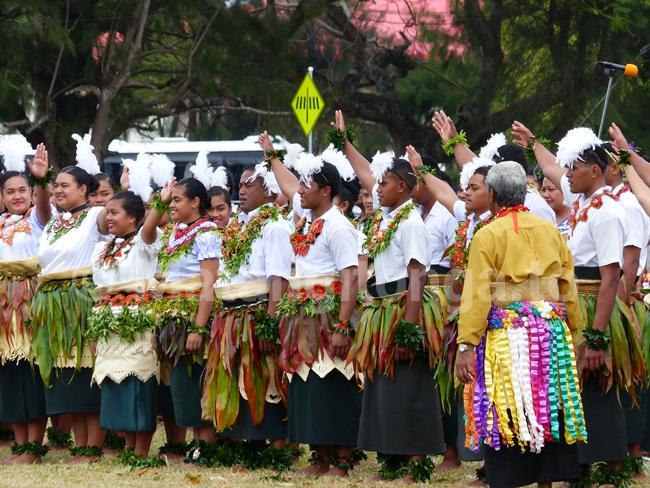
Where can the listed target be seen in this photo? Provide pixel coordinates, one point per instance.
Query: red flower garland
(596, 202)
(301, 243)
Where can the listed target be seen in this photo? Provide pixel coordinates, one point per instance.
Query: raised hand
(617, 137)
(39, 166)
(414, 158)
(339, 121)
(167, 189)
(443, 125)
(124, 178)
(521, 135)
(265, 142)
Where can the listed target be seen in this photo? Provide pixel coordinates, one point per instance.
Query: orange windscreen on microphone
(631, 70)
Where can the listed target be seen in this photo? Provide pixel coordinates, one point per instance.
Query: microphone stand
(609, 72)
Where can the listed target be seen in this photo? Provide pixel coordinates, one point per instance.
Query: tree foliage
(229, 69)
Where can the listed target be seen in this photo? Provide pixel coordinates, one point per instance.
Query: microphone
(607, 68)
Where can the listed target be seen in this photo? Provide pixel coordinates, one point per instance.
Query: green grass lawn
(110, 474)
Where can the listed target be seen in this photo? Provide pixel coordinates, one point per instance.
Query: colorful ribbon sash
(526, 375)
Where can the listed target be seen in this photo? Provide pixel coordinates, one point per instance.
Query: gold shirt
(499, 254)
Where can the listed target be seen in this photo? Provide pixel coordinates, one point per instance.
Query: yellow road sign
(307, 104)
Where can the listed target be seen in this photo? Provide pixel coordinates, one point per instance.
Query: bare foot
(407, 479)
(10, 459)
(313, 470)
(477, 483)
(27, 459)
(336, 472)
(448, 465)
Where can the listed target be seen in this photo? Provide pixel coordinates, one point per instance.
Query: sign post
(308, 104)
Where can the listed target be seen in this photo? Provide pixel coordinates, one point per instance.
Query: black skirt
(634, 415)
(605, 421)
(22, 394)
(129, 406)
(324, 411)
(164, 405)
(70, 391)
(509, 467)
(273, 427)
(185, 381)
(402, 416)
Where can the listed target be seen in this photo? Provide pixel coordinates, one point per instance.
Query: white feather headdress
(574, 143)
(470, 168)
(293, 152)
(140, 176)
(381, 162)
(13, 157)
(219, 178)
(85, 156)
(492, 145)
(307, 165)
(201, 169)
(162, 169)
(338, 159)
(268, 179)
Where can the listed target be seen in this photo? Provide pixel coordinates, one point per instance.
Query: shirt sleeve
(342, 241)
(208, 246)
(33, 219)
(476, 299)
(278, 254)
(635, 226)
(539, 207)
(608, 235)
(460, 212)
(148, 249)
(414, 242)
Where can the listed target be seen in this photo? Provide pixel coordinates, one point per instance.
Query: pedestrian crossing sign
(307, 104)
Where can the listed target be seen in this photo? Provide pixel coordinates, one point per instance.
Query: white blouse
(207, 245)
(441, 226)
(72, 250)
(410, 242)
(271, 253)
(139, 263)
(24, 244)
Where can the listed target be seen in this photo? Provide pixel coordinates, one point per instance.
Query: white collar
(392, 214)
(583, 200)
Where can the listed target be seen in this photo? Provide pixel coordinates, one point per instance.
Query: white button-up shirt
(460, 213)
(410, 242)
(637, 224)
(441, 226)
(271, 253)
(599, 241)
(336, 248)
(538, 206)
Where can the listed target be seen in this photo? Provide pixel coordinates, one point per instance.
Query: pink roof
(389, 18)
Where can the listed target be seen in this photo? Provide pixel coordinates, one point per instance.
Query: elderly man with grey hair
(515, 348)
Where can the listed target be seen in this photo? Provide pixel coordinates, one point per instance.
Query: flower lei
(329, 298)
(185, 240)
(114, 252)
(459, 250)
(301, 243)
(237, 245)
(379, 239)
(578, 215)
(60, 226)
(512, 211)
(10, 226)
